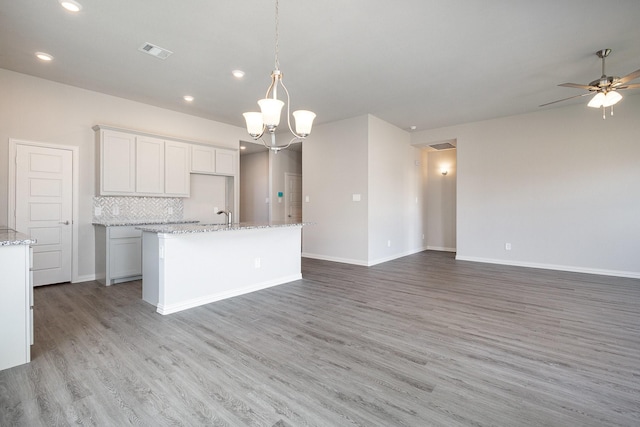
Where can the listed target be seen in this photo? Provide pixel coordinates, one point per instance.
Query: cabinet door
(177, 166)
(225, 162)
(125, 257)
(149, 165)
(117, 162)
(203, 159)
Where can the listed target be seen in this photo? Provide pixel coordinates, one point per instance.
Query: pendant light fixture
(268, 119)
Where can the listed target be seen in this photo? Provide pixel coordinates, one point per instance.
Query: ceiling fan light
(611, 98)
(597, 101)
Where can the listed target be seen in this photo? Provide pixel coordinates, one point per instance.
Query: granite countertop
(125, 222)
(12, 237)
(208, 228)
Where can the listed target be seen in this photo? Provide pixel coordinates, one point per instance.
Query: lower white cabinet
(15, 310)
(118, 254)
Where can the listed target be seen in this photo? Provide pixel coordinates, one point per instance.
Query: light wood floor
(421, 341)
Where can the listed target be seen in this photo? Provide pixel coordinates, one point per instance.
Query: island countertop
(11, 237)
(130, 222)
(209, 228)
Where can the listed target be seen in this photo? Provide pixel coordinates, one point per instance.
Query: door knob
(64, 222)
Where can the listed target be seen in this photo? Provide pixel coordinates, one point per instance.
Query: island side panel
(150, 268)
(199, 268)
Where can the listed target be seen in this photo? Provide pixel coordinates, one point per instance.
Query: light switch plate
(356, 197)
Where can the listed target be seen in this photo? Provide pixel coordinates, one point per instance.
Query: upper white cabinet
(176, 168)
(134, 164)
(211, 160)
(117, 162)
(150, 170)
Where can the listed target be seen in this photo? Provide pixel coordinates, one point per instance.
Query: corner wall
(561, 185)
(334, 161)
(395, 208)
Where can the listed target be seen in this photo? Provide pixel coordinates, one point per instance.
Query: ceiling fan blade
(627, 78)
(565, 99)
(578, 86)
(631, 86)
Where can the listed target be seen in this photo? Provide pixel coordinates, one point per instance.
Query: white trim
(440, 248)
(335, 259)
(75, 204)
(395, 256)
(196, 302)
(568, 268)
(85, 278)
(368, 263)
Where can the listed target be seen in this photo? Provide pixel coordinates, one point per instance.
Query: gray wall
(440, 200)
(561, 185)
(254, 187)
(281, 163)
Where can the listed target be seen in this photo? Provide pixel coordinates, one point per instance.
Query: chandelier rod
(277, 48)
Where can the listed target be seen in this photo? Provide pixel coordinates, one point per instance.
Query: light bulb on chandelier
(268, 119)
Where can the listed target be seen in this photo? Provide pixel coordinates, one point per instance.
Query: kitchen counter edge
(209, 228)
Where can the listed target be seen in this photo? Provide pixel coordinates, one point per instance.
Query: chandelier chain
(277, 64)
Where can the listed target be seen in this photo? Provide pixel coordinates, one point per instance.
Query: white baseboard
(174, 308)
(335, 259)
(568, 268)
(85, 278)
(361, 262)
(440, 248)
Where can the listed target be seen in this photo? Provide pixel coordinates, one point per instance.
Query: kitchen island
(188, 265)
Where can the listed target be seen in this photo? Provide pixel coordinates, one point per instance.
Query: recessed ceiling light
(188, 98)
(238, 74)
(413, 128)
(44, 56)
(70, 5)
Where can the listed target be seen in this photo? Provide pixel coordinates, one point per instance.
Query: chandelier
(268, 119)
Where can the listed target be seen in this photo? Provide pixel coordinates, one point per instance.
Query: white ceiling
(409, 62)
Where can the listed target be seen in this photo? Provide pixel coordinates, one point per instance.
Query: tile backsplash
(137, 208)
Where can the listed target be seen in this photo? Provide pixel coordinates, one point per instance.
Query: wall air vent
(154, 50)
(443, 146)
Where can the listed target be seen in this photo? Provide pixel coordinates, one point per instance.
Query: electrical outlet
(116, 211)
(169, 210)
(256, 263)
(507, 246)
(97, 211)
(388, 243)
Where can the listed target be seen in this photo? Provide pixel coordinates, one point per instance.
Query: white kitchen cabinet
(117, 163)
(211, 160)
(150, 165)
(138, 164)
(15, 312)
(176, 177)
(118, 254)
(225, 162)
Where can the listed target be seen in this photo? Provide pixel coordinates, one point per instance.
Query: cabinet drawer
(124, 232)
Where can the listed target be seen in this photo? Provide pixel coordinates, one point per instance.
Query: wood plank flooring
(420, 341)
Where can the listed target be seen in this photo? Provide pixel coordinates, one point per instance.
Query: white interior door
(43, 209)
(294, 197)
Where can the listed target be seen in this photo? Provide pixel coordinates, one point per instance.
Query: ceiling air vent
(154, 50)
(442, 146)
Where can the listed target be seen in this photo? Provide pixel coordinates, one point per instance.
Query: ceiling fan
(605, 88)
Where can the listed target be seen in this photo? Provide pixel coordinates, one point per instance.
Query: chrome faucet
(229, 215)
